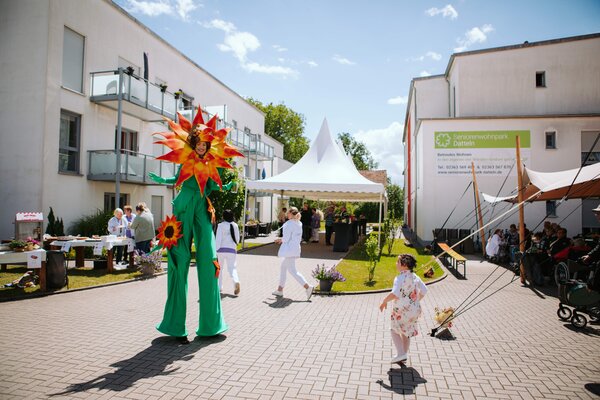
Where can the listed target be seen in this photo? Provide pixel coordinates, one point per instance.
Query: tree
(286, 126)
(363, 160)
(395, 200)
(229, 200)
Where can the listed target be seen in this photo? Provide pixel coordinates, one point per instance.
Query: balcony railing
(135, 167)
(154, 99)
(136, 90)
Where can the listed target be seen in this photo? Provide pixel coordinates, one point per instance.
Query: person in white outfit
(290, 251)
(226, 240)
(493, 245)
(117, 226)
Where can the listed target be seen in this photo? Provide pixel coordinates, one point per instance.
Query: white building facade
(547, 93)
(63, 63)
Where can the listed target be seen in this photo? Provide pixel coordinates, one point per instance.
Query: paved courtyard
(101, 344)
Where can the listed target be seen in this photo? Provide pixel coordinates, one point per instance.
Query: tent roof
(576, 183)
(325, 172)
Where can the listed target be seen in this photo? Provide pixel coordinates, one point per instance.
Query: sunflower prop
(184, 140)
(169, 232)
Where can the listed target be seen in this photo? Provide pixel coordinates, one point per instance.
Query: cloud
(312, 64)
(385, 146)
(150, 8)
(447, 12)
(279, 48)
(342, 60)
(241, 44)
(398, 100)
(431, 54)
(424, 73)
(184, 7)
(270, 69)
(472, 36)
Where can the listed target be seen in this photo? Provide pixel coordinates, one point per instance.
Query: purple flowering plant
(327, 274)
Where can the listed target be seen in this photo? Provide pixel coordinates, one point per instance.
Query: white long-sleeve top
(290, 242)
(223, 236)
(116, 227)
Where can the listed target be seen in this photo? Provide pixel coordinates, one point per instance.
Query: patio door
(156, 208)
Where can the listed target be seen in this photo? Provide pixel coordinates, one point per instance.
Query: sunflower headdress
(183, 138)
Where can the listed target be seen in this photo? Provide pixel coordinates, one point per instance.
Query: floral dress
(406, 310)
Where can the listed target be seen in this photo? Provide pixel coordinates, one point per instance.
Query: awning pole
(379, 229)
(522, 237)
(244, 216)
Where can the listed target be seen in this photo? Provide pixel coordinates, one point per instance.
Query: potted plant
(327, 277)
(17, 245)
(32, 244)
(148, 263)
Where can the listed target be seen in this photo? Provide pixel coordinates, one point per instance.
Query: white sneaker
(309, 291)
(400, 358)
(277, 293)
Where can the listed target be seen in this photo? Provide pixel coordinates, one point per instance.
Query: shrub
(93, 224)
(372, 250)
(55, 225)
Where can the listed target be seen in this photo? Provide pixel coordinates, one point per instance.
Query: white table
(20, 257)
(108, 244)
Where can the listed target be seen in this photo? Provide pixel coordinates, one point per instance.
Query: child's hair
(228, 217)
(408, 261)
(294, 212)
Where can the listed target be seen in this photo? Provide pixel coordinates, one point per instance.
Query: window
(551, 140)
(129, 140)
(68, 148)
(540, 79)
(109, 201)
(72, 69)
(551, 208)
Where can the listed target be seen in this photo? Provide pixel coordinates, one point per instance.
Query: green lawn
(355, 268)
(78, 278)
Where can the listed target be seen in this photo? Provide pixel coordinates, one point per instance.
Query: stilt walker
(201, 150)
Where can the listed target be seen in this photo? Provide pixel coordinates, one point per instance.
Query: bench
(456, 258)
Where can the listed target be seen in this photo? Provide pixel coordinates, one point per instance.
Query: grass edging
(317, 291)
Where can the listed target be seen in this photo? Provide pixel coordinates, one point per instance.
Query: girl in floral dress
(406, 294)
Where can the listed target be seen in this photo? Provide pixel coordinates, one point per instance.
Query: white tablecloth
(106, 243)
(18, 257)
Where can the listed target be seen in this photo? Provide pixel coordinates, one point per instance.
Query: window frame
(548, 134)
(62, 80)
(542, 81)
(76, 149)
(551, 204)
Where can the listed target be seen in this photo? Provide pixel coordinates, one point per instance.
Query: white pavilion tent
(325, 172)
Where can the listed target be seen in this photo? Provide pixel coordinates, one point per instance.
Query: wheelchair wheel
(594, 313)
(578, 320)
(564, 313)
(561, 273)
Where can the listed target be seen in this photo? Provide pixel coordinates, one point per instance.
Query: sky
(350, 61)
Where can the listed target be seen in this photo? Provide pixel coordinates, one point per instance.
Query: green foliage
(55, 225)
(93, 224)
(395, 200)
(370, 211)
(227, 199)
(286, 126)
(390, 231)
(363, 160)
(373, 253)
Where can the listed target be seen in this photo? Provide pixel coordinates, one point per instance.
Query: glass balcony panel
(138, 90)
(169, 107)
(155, 98)
(105, 84)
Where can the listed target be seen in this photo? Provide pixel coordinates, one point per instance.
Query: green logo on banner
(481, 139)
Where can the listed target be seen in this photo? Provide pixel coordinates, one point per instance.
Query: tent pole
(379, 228)
(244, 216)
(521, 212)
(480, 217)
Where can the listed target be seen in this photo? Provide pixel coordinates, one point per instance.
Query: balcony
(142, 99)
(134, 167)
(147, 101)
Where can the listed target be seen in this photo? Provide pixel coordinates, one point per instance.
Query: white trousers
(289, 265)
(229, 259)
